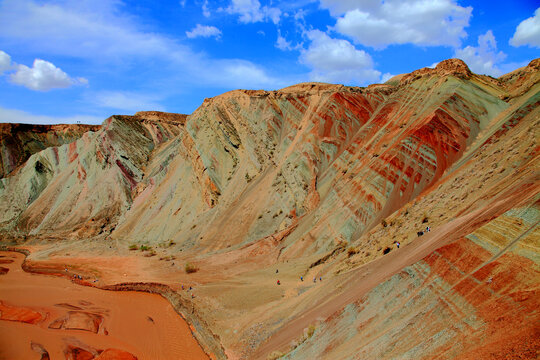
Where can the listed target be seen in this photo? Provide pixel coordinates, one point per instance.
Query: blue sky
(83, 60)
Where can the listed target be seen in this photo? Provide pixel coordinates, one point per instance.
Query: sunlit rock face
(327, 177)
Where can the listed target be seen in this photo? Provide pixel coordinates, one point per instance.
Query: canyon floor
(330, 190)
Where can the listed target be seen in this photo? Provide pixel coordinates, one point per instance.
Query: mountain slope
(319, 181)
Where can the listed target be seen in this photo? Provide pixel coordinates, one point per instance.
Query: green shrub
(275, 355)
(352, 250)
(133, 247)
(311, 331)
(190, 268)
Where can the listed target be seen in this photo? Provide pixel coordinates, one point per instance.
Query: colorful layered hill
(315, 185)
(19, 141)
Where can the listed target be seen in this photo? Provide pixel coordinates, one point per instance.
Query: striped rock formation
(322, 181)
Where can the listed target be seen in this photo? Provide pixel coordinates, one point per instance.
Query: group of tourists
(301, 278)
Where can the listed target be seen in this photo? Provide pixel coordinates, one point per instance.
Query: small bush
(351, 251)
(425, 219)
(384, 223)
(190, 268)
(275, 355)
(311, 331)
(171, 243)
(133, 247)
(341, 244)
(248, 179)
(145, 248)
(386, 251)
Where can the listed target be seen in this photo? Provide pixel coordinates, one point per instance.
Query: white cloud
(18, 116)
(378, 24)
(126, 101)
(386, 76)
(282, 43)
(241, 74)
(97, 32)
(204, 31)
(81, 29)
(250, 11)
(5, 62)
(43, 76)
(205, 10)
(335, 60)
(528, 32)
(484, 58)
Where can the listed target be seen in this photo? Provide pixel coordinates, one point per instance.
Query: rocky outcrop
(19, 141)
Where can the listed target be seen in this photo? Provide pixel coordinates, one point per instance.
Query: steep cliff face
(19, 141)
(321, 180)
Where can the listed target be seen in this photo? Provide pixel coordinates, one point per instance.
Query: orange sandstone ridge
(401, 219)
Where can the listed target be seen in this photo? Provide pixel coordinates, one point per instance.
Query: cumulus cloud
(484, 58)
(528, 32)
(337, 60)
(204, 31)
(379, 24)
(23, 117)
(250, 11)
(43, 76)
(5, 62)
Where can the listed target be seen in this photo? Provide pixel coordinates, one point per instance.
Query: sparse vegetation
(384, 223)
(341, 244)
(248, 178)
(133, 247)
(352, 250)
(145, 248)
(275, 355)
(311, 331)
(386, 251)
(190, 268)
(425, 218)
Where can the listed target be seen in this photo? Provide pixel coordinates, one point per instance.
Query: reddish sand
(45, 316)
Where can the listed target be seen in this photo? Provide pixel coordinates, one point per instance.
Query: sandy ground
(55, 314)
